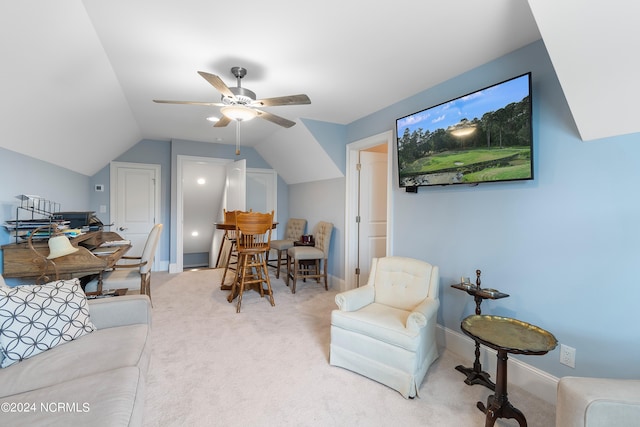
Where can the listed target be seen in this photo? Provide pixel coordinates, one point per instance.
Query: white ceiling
(78, 77)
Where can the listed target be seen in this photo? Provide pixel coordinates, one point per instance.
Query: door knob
(122, 228)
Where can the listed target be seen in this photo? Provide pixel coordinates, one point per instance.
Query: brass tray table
(506, 335)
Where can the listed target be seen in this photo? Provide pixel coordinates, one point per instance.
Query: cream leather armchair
(386, 330)
(598, 402)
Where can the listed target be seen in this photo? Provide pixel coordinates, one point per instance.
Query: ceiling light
(239, 112)
(201, 181)
(213, 119)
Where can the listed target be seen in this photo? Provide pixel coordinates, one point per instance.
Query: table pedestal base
(498, 405)
(476, 377)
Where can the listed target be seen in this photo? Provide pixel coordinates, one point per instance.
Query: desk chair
(253, 235)
(133, 272)
(294, 230)
(310, 262)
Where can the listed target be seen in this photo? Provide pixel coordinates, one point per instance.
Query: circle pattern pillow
(36, 318)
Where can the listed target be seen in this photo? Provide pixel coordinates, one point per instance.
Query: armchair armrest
(355, 299)
(597, 401)
(120, 311)
(422, 314)
(136, 265)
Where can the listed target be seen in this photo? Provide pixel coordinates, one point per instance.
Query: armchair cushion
(379, 322)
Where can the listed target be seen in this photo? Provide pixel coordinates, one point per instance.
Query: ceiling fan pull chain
(238, 137)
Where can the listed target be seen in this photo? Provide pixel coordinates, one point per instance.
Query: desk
(19, 261)
(506, 335)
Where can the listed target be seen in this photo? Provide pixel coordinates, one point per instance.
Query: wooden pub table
(506, 335)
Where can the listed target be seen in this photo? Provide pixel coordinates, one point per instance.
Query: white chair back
(149, 251)
(403, 282)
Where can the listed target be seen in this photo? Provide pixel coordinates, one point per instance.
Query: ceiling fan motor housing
(243, 96)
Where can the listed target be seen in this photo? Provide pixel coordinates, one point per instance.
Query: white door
(262, 185)
(235, 198)
(236, 187)
(372, 238)
(135, 201)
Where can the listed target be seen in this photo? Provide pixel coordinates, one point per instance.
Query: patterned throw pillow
(36, 318)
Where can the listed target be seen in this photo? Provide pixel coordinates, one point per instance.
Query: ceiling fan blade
(275, 119)
(283, 100)
(206, 104)
(224, 120)
(217, 82)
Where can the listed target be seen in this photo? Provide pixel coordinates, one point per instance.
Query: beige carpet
(268, 366)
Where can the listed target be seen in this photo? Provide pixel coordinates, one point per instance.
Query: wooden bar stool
(253, 235)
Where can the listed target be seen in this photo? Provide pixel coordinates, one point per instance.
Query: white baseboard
(171, 268)
(337, 283)
(535, 381)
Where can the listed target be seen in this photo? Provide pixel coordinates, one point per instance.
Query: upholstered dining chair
(310, 262)
(386, 330)
(253, 235)
(133, 272)
(294, 230)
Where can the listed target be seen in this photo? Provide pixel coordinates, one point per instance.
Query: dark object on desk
(506, 335)
(81, 219)
(476, 375)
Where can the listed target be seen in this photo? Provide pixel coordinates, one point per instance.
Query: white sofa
(95, 380)
(598, 402)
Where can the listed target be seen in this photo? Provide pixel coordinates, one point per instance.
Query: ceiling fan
(240, 104)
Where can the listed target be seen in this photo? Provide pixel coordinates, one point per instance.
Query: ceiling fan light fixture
(239, 112)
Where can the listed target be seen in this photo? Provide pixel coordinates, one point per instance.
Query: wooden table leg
(476, 375)
(498, 405)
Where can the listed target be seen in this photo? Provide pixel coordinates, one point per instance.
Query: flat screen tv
(484, 136)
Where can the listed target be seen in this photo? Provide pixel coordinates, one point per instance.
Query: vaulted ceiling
(78, 76)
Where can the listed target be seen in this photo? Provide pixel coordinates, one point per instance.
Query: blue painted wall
(20, 174)
(564, 246)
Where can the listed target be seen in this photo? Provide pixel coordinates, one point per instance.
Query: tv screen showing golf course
(484, 136)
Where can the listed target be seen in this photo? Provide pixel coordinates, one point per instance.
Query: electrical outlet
(568, 356)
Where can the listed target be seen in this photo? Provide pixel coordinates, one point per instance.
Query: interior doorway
(369, 182)
(200, 206)
(200, 192)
